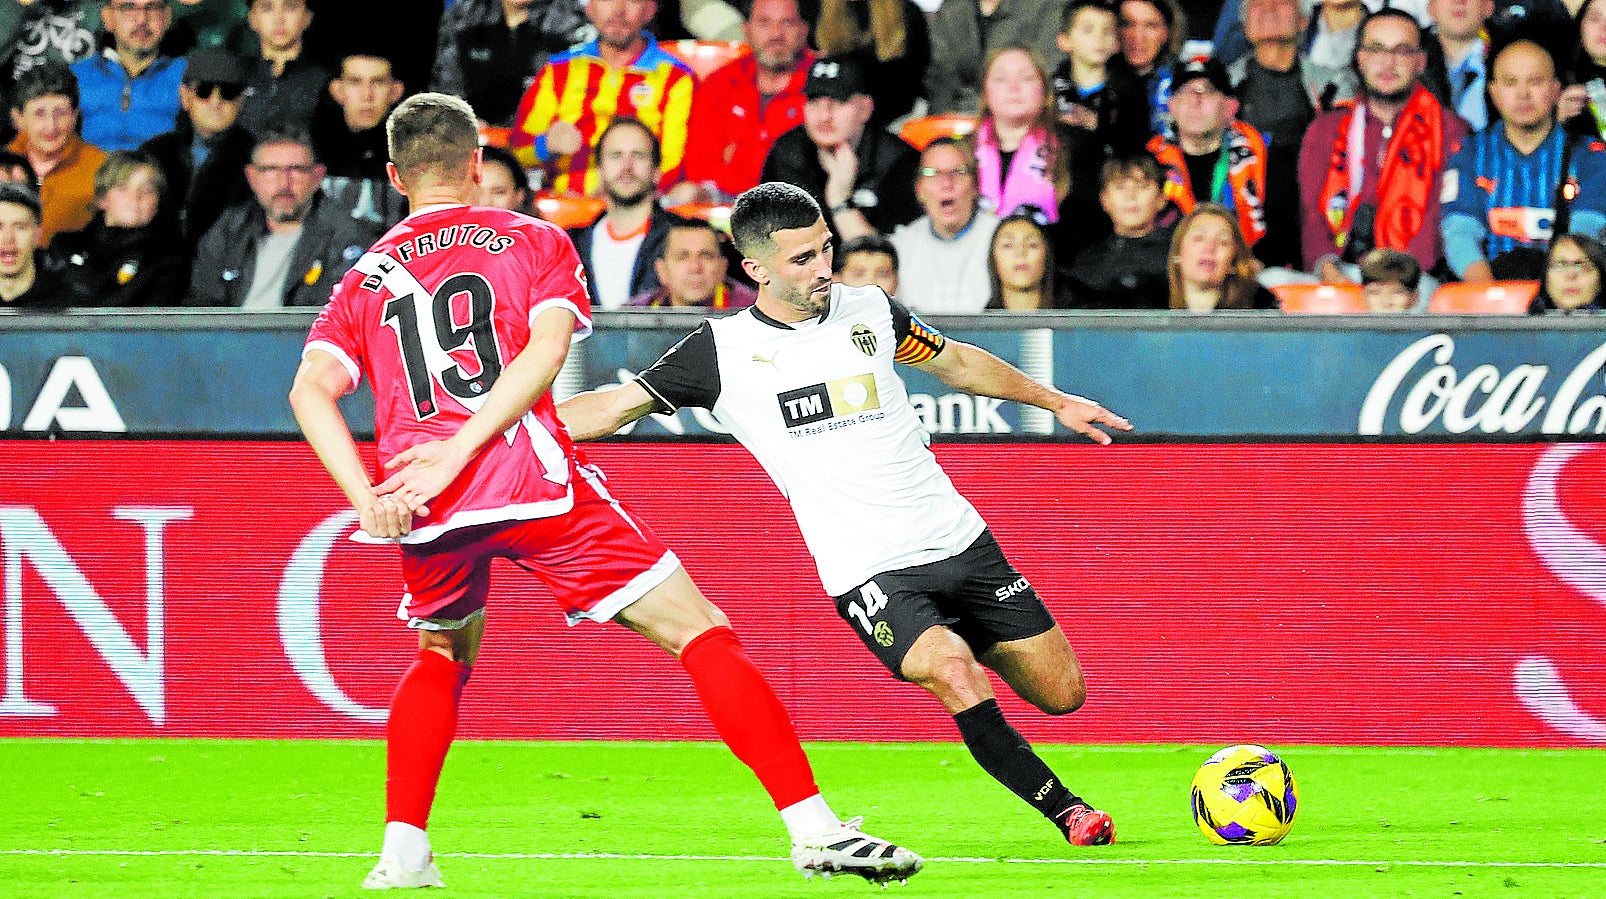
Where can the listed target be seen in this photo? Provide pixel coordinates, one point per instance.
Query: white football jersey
(821, 407)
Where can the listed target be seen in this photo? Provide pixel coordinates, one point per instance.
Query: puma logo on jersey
(770, 361)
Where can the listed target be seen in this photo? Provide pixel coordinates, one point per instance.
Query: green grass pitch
(174, 818)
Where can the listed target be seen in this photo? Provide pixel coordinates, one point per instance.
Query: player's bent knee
(1066, 700)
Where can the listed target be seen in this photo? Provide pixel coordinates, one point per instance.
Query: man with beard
(618, 249)
(742, 108)
(623, 72)
(276, 251)
(1369, 175)
(130, 91)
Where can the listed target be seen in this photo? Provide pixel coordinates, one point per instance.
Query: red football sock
(748, 715)
(423, 718)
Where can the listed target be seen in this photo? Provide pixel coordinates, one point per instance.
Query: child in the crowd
(1128, 269)
(1391, 281)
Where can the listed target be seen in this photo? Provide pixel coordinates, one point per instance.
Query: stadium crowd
(969, 154)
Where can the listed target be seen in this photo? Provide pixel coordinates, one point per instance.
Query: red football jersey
(432, 313)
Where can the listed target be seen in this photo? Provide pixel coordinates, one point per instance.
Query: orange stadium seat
(492, 136)
(920, 132)
(716, 214)
(568, 210)
(1488, 298)
(705, 57)
(1320, 299)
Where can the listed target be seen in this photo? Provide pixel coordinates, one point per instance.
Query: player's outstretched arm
(423, 471)
(320, 381)
(600, 412)
(974, 370)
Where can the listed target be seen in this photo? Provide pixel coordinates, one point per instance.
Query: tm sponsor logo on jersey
(841, 403)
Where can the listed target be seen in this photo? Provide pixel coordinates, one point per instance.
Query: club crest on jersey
(831, 400)
(864, 339)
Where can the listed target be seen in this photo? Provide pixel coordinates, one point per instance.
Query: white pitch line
(966, 860)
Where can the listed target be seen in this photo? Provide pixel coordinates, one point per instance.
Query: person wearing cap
(1215, 158)
(863, 178)
(27, 281)
(203, 158)
(130, 90)
(621, 72)
(1369, 174)
(350, 137)
(45, 114)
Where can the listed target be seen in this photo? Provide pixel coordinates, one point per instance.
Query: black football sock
(1004, 753)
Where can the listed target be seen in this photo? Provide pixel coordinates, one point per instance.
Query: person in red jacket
(745, 105)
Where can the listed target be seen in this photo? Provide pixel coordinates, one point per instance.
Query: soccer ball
(1244, 794)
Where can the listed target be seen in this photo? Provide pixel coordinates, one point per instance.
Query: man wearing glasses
(130, 90)
(276, 250)
(204, 157)
(1369, 176)
(942, 256)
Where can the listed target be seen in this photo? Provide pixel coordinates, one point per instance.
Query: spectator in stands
(1588, 64)
(1021, 266)
(890, 38)
(1280, 89)
(691, 270)
(503, 182)
(490, 51)
(1391, 281)
(1458, 30)
(744, 107)
(27, 279)
(1370, 174)
(45, 113)
(351, 144)
(1102, 102)
(1501, 189)
(1021, 147)
(203, 158)
(1151, 43)
(124, 257)
(1213, 148)
(203, 24)
(1211, 267)
(1574, 269)
(407, 30)
(1337, 31)
(578, 92)
(16, 169)
(130, 90)
(862, 177)
(966, 33)
(282, 87)
(871, 259)
(1128, 269)
(277, 250)
(943, 254)
(618, 249)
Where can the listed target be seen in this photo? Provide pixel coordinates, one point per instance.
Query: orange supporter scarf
(1241, 178)
(1410, 164)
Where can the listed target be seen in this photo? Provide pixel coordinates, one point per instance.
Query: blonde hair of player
(434, 144)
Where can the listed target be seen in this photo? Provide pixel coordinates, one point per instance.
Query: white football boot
(847, 850)
(390, 875)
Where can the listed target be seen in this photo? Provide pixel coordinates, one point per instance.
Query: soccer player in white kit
(805, 380)
(461, 316)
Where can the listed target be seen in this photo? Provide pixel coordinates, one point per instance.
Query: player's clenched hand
(1082, 415)
(385, 517)
(426, 470)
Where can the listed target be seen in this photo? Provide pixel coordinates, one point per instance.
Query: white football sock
(407, 845)
(809, 817)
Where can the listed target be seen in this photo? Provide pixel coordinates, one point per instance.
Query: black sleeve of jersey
(687, 375)
(916, 341)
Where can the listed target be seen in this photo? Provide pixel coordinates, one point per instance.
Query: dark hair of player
(868, 243)
(625, 121)
(52, 79)
(433, 134)
(770, 207)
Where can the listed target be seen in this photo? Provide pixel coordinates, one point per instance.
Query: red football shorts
(596, 559)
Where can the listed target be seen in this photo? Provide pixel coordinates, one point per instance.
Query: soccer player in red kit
(461, 317)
